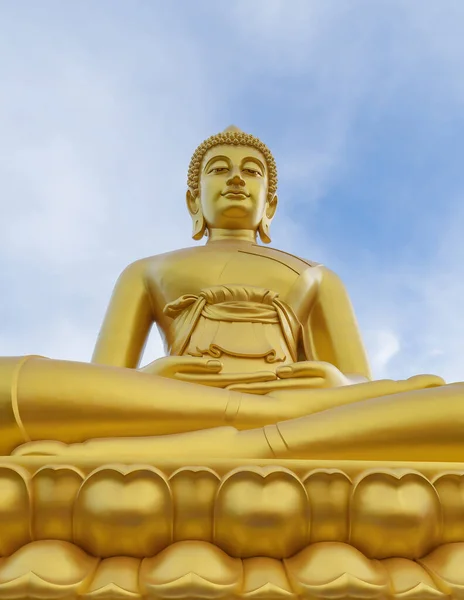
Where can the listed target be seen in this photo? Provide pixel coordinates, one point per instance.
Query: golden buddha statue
(265, 357)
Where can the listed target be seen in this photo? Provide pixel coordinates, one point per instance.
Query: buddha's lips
(238, 193)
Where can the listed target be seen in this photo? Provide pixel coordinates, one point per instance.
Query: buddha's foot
(204, 443)
(41, 448)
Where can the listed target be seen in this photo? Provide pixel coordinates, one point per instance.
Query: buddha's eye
(252, 172)
(218, 170)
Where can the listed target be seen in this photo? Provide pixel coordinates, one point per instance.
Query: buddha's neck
(243, 235)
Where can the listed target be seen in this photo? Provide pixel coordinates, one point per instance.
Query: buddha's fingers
(170, 366)
(268, 387)
(40, 448)
(304, 369)
(223, 380)
(217, 441)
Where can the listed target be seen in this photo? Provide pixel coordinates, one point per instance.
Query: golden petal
(194, 492)
(265, 578)
(15, 509)
(191, 569)
(116, 578)
(410, 580)
(261, 511)
(336, 570)
(395, 513)
(345, 586)
(329, 492)
(54, 519)
(445, 564)
(111, 591)
(122, 510)
(46, 569)
(450, 488)
(34, 588)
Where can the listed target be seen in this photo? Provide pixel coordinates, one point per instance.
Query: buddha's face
(233, 187)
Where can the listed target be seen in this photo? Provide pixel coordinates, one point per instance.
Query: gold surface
(259, 531)
(194, 569)
(257, 459)
(268, 510)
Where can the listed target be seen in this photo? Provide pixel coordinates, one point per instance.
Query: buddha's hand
(181, 367)
(41, 448)
(202, 371)
(314, 373)
(299, 376)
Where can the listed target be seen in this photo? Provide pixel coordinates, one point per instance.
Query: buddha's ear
(198, 220)
(265, 225)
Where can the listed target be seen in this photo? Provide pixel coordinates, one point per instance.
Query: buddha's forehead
(236, 154)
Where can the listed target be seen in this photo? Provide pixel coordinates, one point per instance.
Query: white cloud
(90, 169)
(382, 345)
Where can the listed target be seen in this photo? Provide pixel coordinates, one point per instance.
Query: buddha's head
(232, 183)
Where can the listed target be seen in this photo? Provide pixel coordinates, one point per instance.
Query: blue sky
(102, 104)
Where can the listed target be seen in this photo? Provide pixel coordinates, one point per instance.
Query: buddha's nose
(236, 179)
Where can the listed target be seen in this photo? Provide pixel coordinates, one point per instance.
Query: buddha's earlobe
(199, 226)
(263, 230)
(198, 220)
(265, 225)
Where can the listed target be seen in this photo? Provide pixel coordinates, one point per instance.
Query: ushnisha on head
(232, 184)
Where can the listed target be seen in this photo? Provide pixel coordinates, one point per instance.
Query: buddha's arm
(127, 322)
(331, 333)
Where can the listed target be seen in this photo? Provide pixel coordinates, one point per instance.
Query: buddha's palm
(297, 376)
(202, 371)
(305, 375)
(313, 375)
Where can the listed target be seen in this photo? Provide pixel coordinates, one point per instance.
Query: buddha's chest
(196, 271)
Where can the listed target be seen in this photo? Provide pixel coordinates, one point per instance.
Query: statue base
(243, 529)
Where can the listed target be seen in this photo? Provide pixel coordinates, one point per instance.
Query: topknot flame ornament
(233, 136)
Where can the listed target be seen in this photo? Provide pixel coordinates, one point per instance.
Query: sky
(362, 103)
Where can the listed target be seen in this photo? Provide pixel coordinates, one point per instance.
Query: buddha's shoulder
(160, 261)
(310, 272)
(289, 259)
(169, 260)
